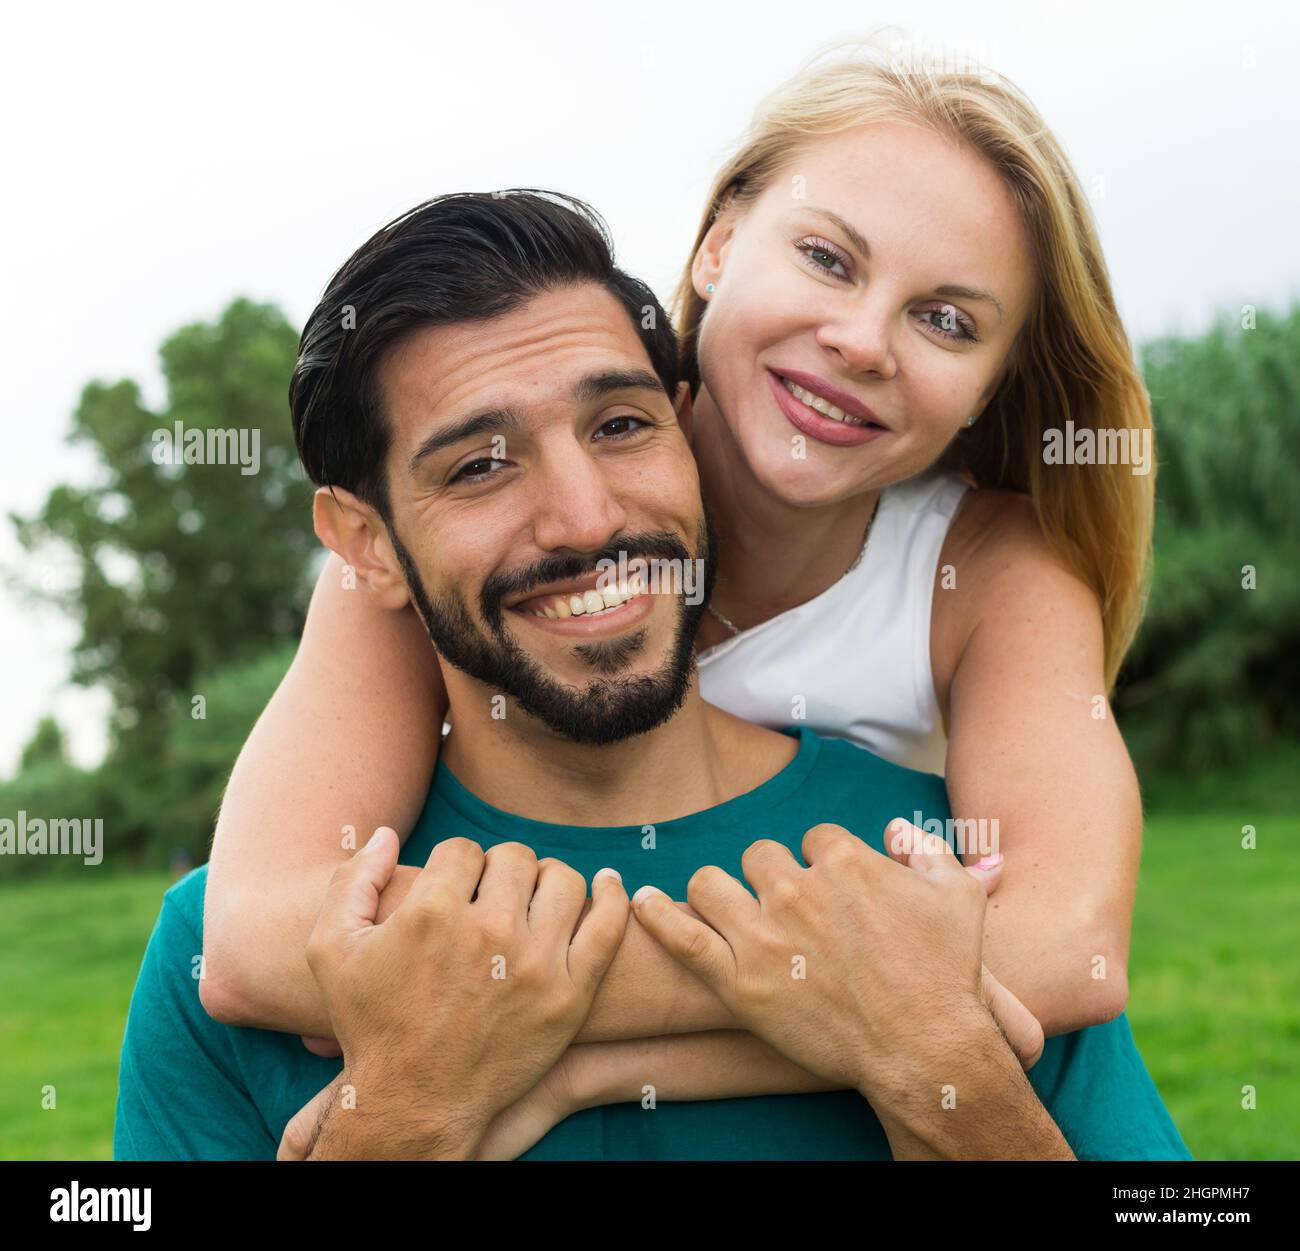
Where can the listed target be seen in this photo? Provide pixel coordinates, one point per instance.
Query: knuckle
(696, 945)
(760, 847)
(497, 931)
(568, 877)
(512, 851)
(783, 893)
(842, 846)
(430, 908)
(704, 881)
(462, 846)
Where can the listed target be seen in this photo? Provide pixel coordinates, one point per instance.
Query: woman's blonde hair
(1072, 360)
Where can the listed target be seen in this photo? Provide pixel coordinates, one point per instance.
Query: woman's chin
(810, 483)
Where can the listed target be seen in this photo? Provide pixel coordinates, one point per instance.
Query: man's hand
(846, 967)
(462, 1000)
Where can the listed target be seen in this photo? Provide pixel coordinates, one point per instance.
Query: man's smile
(576, 609)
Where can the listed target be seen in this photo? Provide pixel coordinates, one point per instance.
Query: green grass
(1214, 980)
(1214, 991)
(69, 954)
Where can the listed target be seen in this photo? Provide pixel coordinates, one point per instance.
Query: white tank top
(854, 662)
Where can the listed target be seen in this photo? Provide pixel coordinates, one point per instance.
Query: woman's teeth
(825, 407)
(590, 603)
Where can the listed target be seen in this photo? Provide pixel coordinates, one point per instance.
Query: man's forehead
(536, 352)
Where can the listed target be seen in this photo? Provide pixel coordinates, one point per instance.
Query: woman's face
(885, 270)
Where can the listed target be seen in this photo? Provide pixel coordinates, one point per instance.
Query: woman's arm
(1017, 649)
(347, 743)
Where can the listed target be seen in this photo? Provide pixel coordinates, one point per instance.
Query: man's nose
(577, 504)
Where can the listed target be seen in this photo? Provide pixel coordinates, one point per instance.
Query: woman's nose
(863, 338)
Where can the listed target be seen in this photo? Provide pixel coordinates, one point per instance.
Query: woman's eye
(620, 427)
(948, 324)
(823, 258)
(477, 470)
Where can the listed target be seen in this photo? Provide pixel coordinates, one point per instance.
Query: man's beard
(606, 710)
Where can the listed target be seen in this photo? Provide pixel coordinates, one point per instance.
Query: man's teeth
(590, 603)
(825, 407)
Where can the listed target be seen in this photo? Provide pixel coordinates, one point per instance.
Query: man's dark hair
(457, 258)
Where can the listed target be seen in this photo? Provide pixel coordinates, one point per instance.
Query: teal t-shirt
(191, 1088)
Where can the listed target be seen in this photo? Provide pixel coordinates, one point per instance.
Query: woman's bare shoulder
(993, 528)
(995, 560)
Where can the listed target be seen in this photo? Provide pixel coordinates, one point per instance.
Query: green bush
(1213, 679)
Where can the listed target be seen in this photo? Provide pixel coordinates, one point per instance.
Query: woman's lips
(817, 425)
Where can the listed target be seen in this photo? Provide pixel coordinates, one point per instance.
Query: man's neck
(697, 759)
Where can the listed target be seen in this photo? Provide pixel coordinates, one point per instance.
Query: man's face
(526, 449)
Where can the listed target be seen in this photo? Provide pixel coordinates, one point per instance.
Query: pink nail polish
(989, 862)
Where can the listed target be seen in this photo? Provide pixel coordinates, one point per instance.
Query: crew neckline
(749, 806)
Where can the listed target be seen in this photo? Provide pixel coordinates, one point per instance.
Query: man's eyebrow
(594, 386)
(489, 421)
(949, 289)
(508, 421)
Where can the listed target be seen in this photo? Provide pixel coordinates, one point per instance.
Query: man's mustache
(550, 569)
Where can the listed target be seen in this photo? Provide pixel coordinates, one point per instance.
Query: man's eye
(620, 427)
(483, 467)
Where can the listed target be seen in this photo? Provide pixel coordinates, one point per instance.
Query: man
(499, 419)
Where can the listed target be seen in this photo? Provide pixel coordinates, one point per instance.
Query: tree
(1214, 678)
(182, 567)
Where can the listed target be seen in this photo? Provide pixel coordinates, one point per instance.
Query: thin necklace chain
(857, 560)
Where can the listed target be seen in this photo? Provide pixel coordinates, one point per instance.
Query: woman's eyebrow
(971, 293)
(854, 236)
(860, 244)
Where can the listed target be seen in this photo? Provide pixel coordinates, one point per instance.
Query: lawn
(71, 950)
(1214, 980)
(1214, 991)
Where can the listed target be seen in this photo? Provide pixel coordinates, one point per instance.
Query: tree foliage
(183, 568)
(1213, 678)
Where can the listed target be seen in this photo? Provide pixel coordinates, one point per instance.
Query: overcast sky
(159, 160)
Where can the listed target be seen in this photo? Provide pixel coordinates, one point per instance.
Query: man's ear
(356, 531)
(685, 410)
(707, 265)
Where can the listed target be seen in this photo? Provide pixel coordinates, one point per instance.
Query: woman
(896, 289)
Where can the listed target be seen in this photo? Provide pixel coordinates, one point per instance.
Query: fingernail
(374, 839)
(614, 873)
(989, 862)
(644, 893)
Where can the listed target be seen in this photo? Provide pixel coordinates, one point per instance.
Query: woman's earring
(710, 288)
(970, 421)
